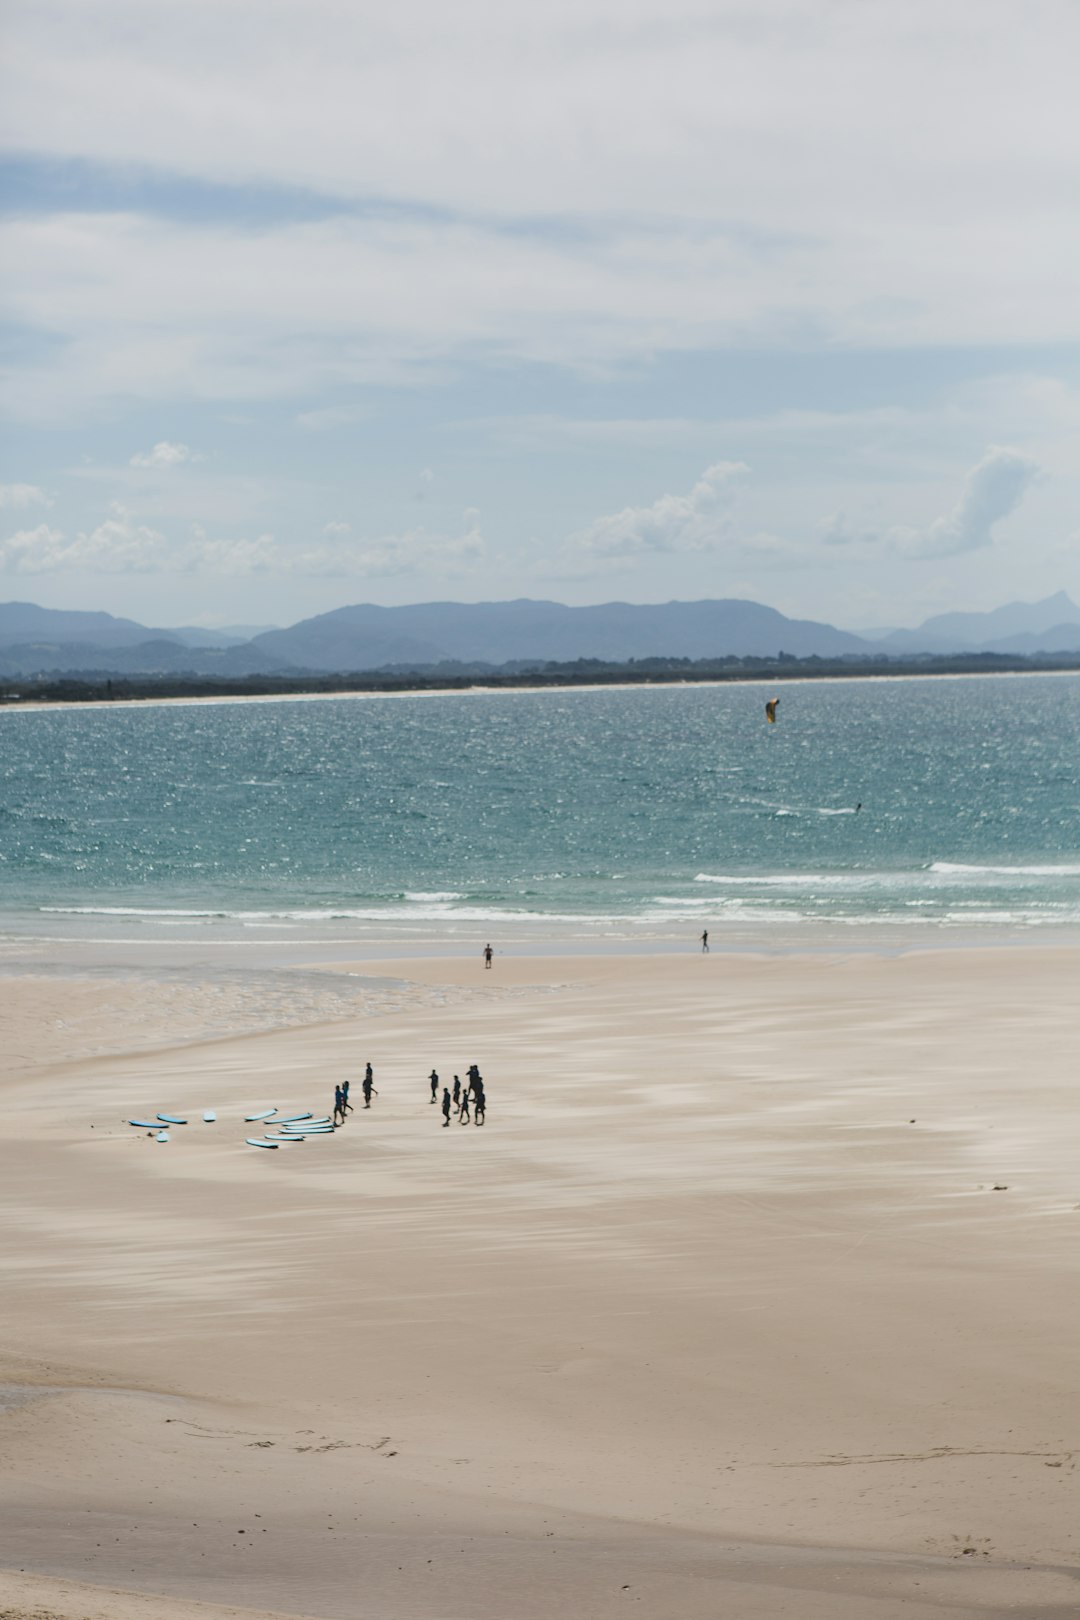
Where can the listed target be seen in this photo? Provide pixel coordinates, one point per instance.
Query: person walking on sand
(488, 954)
(367, 1088)
(434, 1086)
(705, 941)
(346, 1105)
(445, 1107)
(463, 1111)
(457, 1091)
(479, 1108)
(339, 1106)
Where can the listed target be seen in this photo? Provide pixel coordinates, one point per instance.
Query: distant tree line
(96, 686)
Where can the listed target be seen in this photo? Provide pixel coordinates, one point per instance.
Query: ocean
(874, 809)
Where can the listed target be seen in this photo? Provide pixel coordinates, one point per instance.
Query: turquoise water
(636, 812)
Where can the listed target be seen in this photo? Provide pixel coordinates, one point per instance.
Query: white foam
(949, 868)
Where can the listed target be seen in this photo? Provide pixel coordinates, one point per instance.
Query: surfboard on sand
(173, 1119)
(256, 1141)
(146, 1124)
(162, 1136)
(209, 1117)
(253, 1119)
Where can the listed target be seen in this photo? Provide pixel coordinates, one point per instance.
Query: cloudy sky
(312, 302)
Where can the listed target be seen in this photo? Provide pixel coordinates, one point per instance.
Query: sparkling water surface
(642, 812)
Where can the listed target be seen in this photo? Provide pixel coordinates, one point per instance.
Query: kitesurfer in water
(770, 710)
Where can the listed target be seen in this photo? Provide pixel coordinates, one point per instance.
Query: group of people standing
(343, 1106)
(467, 1101)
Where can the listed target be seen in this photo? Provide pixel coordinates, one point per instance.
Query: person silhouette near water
(368, 1088)
(488, 954)
(445, 1107)
(705, 941)
(434, 1086)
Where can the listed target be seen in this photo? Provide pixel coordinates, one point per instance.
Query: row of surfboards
(289, 1127)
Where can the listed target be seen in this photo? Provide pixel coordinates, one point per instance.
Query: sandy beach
(755, 1296)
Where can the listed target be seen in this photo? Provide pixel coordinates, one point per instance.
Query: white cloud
(699, 108)
(698, 521)
(837, 530)
(418, 550)
(331, 416)
(32, 551)
(336, 526)
(237, 557)
(23, 495)
(164, 454)
(992, 490)
(119, 545)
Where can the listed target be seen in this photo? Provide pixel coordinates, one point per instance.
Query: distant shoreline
(119, 693)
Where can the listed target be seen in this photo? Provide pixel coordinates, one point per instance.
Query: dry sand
(719, 1314)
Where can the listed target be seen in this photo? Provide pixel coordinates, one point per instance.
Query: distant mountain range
(36, 640)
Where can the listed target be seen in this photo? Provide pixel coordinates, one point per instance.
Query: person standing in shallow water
(445, 1107)
(434, 1086)
(488, 954)
(705, 941)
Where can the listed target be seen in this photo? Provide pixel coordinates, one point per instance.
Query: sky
(313, 302)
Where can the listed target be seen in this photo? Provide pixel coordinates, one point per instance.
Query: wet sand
(720, 1313)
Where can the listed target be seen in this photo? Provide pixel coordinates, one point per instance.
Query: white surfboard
(257, 1141)
(209, 1117)
(289, 1119)
(162, 1136)
(253, 1119)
